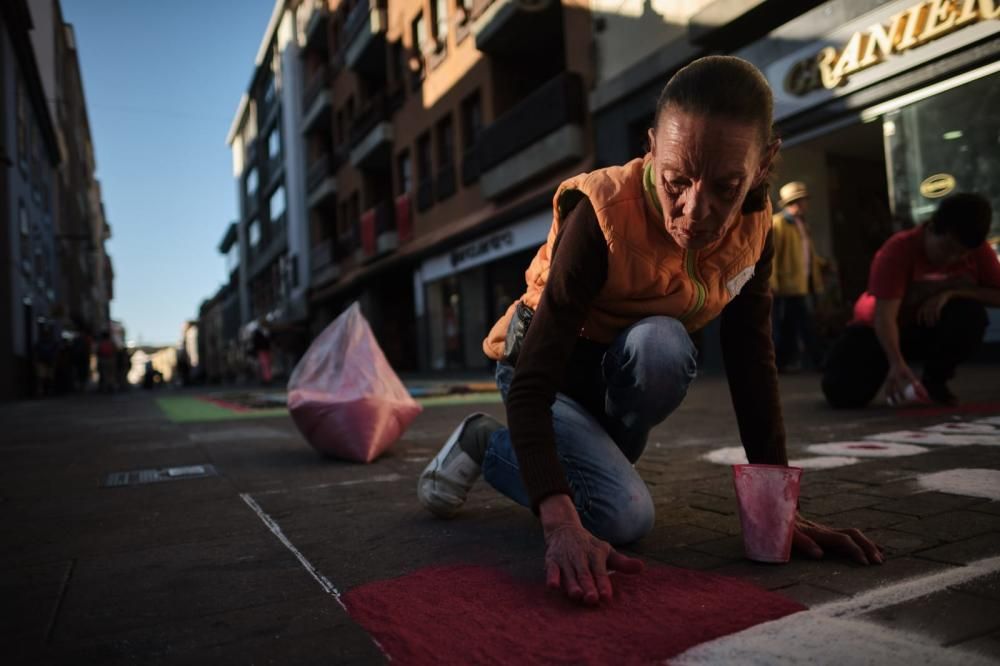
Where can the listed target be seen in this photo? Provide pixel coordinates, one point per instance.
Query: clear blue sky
(162, 81)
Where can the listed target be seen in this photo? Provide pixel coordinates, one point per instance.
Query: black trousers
(857, 365)
(792, 322)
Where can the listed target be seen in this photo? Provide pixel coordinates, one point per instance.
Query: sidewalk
(250, 552)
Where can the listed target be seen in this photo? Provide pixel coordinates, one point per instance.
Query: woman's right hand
(901, 376)
(575, 560)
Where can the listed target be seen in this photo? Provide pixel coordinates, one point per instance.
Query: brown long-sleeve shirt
(554, 358)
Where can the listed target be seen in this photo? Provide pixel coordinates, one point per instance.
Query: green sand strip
(194, 410)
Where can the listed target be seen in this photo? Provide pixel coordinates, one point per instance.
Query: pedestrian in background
(925, 301)
(796, 279)
(106, 362)
(262, 350)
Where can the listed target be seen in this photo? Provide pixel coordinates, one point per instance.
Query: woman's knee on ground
(625, 521)
(659, 352)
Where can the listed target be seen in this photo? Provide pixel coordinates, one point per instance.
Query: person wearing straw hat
(797, 275)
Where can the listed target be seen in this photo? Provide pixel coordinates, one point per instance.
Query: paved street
(248, 565)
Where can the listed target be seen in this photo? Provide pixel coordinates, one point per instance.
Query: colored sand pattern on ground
(208, 408)
(477, 615)
(194, 409)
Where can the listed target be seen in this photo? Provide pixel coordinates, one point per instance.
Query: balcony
(444, 184)
(364, 32)
(503, 27)
(371, 136)
(316, 103)
(543, 132)
(378, 231)
(315, 28)
(251, 154)
(323, 262)
(320, 182)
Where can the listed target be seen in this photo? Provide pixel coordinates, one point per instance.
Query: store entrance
(848, 216)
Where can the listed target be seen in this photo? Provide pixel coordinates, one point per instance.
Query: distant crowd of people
(66, 362)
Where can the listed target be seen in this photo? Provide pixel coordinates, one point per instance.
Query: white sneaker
(446, 481)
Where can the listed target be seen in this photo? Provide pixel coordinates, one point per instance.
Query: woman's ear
(652, 140)
(770, 153)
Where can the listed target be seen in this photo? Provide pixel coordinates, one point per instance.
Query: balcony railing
(315, 28)
(364, 32)
(512, 27)
(370, 137)
(316, 101)
(321, 255)
(378, 231)
(319, 172)
(540, 133)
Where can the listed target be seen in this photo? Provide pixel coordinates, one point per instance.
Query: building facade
(420, 144)
(29, 159)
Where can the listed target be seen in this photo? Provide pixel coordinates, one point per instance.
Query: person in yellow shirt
(797, 277)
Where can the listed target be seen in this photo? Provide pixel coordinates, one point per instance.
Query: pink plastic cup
(768, 496)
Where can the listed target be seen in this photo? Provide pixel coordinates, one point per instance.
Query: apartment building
(422, 142)
(85, 275)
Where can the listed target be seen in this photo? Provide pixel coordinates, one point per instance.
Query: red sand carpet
(477, 615)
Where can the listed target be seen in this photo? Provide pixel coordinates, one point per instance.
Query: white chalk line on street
(834, 632)
(323, 581)
(378, 478)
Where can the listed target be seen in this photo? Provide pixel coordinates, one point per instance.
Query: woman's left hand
(815, 540)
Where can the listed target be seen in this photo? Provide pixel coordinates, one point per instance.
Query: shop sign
(937, 186)
(491, 245)
(911, 28)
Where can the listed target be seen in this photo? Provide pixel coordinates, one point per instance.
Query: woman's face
(703, 168)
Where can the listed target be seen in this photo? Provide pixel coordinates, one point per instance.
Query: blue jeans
(646, 372)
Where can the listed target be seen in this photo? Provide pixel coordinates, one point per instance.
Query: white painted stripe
(968, 482)
(735, 455)
(378, 478)
(936, 438)
(908, 590)
(989, 420)
(866, 449)
(829, 633)
(962, 428)
(324, 583)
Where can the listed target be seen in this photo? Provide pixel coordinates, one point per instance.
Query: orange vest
(648, 273)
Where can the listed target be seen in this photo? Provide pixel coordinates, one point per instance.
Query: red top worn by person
(925, 301)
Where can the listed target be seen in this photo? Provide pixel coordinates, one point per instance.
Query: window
(424, 157)
(419, 33)
(472, 120)
(274, 144)
(254, 234)
(405, 172)
(445, 142)
(439, 17)
(252, 182)
(270, 93)
(277, 203)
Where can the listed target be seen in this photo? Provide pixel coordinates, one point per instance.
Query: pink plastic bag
(344, 396)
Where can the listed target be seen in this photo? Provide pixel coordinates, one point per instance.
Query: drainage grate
(139, 476)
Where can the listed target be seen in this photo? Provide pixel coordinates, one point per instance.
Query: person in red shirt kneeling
(927, 292)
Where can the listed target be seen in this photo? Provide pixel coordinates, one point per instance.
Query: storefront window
(943, 144)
